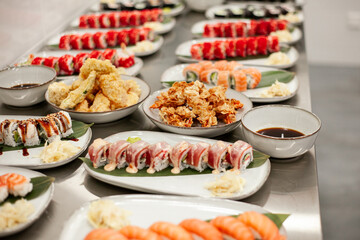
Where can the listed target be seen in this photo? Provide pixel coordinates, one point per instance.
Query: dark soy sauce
(280, 132)
(25, 152)
(25, 85)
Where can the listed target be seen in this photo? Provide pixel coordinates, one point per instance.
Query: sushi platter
(158, 209)
(198, 29)
(179, 185)
(175, 73)
(183, 53)
(40, 203)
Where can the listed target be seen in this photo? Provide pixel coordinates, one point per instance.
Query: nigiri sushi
(232, 227)
(170, 231)
(18, 185)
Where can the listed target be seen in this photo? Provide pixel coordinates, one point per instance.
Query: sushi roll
(251, 46)
(87, 41)
(209, 75)
(63, 122)
(99, 39)
(18, 185)
(261, 43)
(178, 156)
(209, 30)
(126, 59)
(75, 42)
(111, 38)
(136, 156)
(206, 65)
(240, 46)
(114, 19)
(48, 129)
(229, 30)
(83, 21)
(52, 62)
(134, 19)
(282, 24)
(156, 15)
(253, 77)
(221, 65)
(222, 13)
(224, 79)
(28, 134)
(146, 34)
(124, 18)
(110, 54)
(96, 54)
(197, 157)
(66, 65)
(252, 28)
(93, 21)
(158, 157)
(217, 157)
(196, 51)
(259, 13)
(4, 191)
(10, 132)
(219, 30)
(273, 44)
(104, 21)
(123, 37)
(38, 61)
(64, 42)
(240, 155)
(230, 49)
(208, 51)
(273, 25)
(233, 66)
(133, 35)
(192, 72)
(240, 28)
(116, 155)
(79, 60)
(239, 81)
(263, 28)
(97, 152)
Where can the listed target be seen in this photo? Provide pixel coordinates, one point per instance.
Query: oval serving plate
(175, 184)
(158, 209)
(174, 74)
(40, 203)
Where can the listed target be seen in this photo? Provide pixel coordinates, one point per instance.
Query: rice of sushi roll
(4, 191)
(209, 75)
(27, 130)
(18, 185)
(192, 72)
(10, 132)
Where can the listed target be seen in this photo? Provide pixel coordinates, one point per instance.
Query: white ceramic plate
(157, 208)
(32, 161)
(174, 73)
(132, 71)
(210, 13)
(166, 27)
(220, 129)
(179, 185)
(55, 41)
(40, 203)
(109, 116)
(198, 28)
(184, 50)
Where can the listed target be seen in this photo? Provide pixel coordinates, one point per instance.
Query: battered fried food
(114, 90)
(99, 66)
(83, 106)
(57, 92)
(100, 104)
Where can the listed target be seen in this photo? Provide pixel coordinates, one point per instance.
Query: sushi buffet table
(292, 186)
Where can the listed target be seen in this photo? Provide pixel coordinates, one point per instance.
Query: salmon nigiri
(253, 77)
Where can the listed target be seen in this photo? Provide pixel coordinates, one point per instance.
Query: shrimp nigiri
(232, 227)
(261, 224)
(134, 232)
(253, 77)
(171, 231)
(18, 185)
(105, 234)
(201, 228)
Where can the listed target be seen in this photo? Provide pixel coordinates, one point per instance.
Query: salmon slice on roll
(116, 155)
(197, 157)
(136, 155)
(217, 157)
(158, 157)
(178, 156)
(97, 152)
(240, 155)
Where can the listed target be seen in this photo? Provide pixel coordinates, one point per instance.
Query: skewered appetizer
(223, 73)
(138, 155)
(30, 132)
(14, 184)
(236, 47)
(244, 29)
(102, 40)
(121, 19)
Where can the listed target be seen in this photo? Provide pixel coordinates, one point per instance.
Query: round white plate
(210, 13)
(220, 129)
(132, 71)
(198, 28)
(166, 27)
(147, 209)
(32, 161)
(174, 73)
(109, 116)
(40, 203)
(179, 185)
(184, 50)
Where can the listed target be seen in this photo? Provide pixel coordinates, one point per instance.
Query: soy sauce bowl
(280, 116)
(25, 85)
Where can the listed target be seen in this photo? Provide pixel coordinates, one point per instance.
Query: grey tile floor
(335, 96)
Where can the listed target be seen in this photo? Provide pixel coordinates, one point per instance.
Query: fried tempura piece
(132, 98)
(101, 67)
(58, 92)
(76, 83)
(83, 106)
(173, 97)
(113, 88)
(181, 116)
(101, 103)
(132, 87)
(79, 94)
